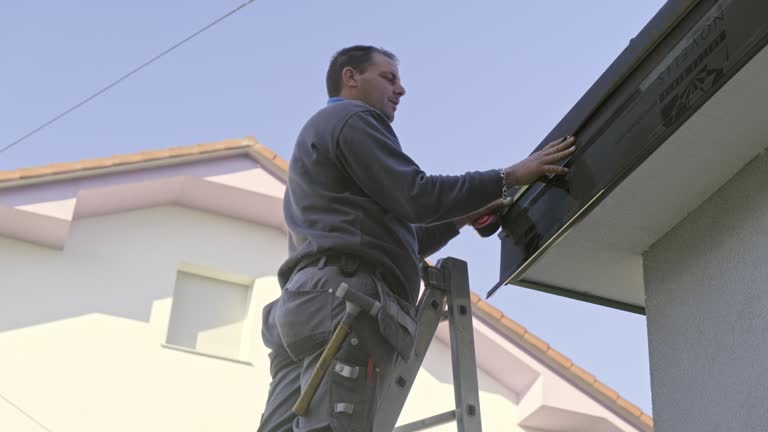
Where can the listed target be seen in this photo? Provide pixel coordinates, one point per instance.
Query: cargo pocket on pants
(303, 318)
(397, 322)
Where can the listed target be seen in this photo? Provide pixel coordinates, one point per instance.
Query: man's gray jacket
(352, 190)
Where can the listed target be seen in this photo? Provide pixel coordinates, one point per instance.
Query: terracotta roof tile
(126, 159)
(535, 341)
(182, 151)
(604, 389)
(66, 166)
(145, 156)
(474, 298)
(581, 373)
(280, 163)
(490, 310)
(266, 152)
(221, 145)
(645, 418)
(95, 163)
(9, 175)
(34, 172)
(155, 154)
(629, 406)
(513, 325)
(559, 357)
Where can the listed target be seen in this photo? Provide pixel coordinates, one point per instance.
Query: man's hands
(525, 172)
(541, 163)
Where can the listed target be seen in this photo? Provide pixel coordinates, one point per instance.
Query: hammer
(355, 302)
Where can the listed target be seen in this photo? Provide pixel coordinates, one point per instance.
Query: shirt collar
(334, 100)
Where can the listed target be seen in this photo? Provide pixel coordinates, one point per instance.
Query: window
(211, 313)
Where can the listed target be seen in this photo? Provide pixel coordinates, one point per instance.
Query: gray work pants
(296, 327)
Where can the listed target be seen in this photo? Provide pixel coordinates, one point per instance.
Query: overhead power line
(124, 77)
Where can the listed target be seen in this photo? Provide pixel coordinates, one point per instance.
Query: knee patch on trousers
(353, 380)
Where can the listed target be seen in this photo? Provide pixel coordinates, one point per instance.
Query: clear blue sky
(486, 81)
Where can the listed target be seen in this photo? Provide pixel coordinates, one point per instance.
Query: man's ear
(349, 77)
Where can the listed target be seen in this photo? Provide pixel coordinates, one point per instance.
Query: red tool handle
(487, 225)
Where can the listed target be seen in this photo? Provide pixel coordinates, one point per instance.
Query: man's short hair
(358, 57)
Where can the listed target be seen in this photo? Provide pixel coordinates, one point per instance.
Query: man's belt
(349, 265)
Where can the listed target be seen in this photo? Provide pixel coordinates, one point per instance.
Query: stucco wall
(85, 338)
(82, 331)
(707, 303)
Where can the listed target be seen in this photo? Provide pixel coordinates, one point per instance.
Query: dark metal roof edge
(664, 21)
(639, 47)
(670, 15)
(581, 296)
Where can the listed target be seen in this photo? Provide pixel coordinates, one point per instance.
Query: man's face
(379, 87)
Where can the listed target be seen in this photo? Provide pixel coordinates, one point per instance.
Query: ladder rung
(446, 293)
(428, 422)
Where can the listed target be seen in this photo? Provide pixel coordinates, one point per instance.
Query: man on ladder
(362, 215)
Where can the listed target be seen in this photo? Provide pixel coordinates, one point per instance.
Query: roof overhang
(676, 115)
(242, 183)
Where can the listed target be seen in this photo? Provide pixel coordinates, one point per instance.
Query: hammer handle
(301, 405)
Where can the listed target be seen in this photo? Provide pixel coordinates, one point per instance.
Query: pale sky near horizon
(485, 81)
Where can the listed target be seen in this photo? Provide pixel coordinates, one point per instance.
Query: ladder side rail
(465, 385)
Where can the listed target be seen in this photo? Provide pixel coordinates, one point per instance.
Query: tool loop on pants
(342, 407)
(351, 372)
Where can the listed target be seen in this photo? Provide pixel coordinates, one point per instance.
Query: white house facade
(131, 293)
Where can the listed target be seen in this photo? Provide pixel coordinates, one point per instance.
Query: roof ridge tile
(144, 156)
(559, 357)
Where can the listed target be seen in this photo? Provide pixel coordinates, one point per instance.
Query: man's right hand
(494, 208)
(540, 163)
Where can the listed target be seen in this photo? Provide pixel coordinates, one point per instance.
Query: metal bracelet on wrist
(504, 188)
